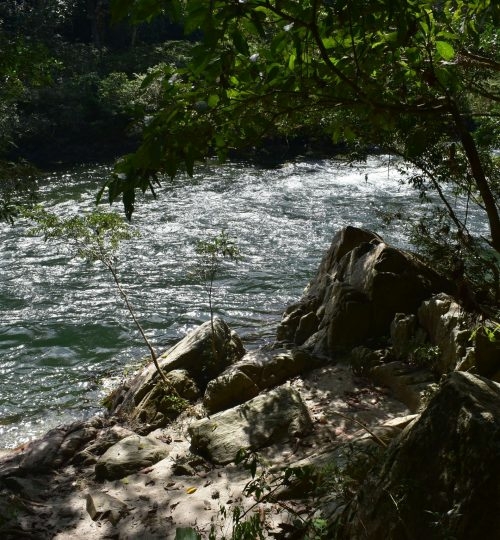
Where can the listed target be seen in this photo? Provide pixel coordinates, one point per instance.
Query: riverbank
(184, 490)
(65, 337)
(326, 411)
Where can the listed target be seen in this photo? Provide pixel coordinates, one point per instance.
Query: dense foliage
(69, 86)
(416, 78)
(72, 79)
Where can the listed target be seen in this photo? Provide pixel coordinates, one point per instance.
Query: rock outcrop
(446, 325)
(430, 475)
(440, 477)
(267, 419)
(256, 371)
(53, 450)
(444, 337)
(487, 350)
(361, 284)
(189, 365)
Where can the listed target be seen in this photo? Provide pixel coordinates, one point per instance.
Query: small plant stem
(123, 294)
(364, 426)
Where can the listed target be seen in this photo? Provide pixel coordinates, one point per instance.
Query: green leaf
(445, 50)
(213, 100)
(186, 533)
(328, 43)
(240, 43)
(416, 143)
(151, 77)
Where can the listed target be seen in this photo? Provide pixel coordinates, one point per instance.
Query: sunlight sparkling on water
(64, 333)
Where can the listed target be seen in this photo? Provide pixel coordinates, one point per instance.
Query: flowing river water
(65, 336)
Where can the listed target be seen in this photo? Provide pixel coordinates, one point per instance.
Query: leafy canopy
(411, 76)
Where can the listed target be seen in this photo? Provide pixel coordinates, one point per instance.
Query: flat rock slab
(266, 419)
(129, 456)
(411, 386)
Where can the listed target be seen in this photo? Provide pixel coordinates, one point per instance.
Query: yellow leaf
(190, 490)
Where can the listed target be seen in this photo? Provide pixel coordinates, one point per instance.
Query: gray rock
(406, 334)
(198, 355)
(103, 506)
(411, 386)
(266, 419)
(363, 360)
(439, 479)
(229, 389)
(308, 325)
(105, 438)
(31, 487)
(447, 327)
(184, 385)
(129, 456)
(73, 442)
(487, 351)
(360, 285)
(285, 364)
(202, 356)
(256, 371)
(54, 449)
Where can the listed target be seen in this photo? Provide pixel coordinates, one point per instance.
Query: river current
(65, 336)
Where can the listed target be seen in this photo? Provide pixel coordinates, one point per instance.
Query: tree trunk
(96, 13)
(479, 176)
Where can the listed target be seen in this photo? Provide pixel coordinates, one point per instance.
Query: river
(65, 337)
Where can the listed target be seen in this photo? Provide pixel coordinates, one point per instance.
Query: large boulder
(406, 335)
(452, 338)
(105, 438)
(269, 418)
(439, 479)
(256, 371)
(360, 285)
(195, 360)
(487, 350)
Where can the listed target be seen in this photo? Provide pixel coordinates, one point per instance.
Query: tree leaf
(445, 50)
(213, 100)
(186, 533)
(240, 43)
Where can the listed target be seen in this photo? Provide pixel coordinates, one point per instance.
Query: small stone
(103, 506)
(183, 469)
